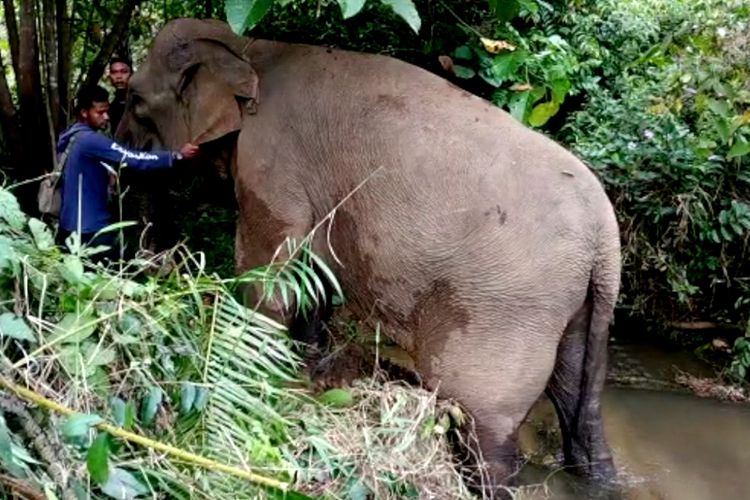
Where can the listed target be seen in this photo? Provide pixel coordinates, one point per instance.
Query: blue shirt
(84, 171)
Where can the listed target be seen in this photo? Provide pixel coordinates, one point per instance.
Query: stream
(666, 444)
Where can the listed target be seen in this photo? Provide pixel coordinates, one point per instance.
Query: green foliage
(668, 136)
(97, 459)
(337, 397)
(243, 15)
(532, 69)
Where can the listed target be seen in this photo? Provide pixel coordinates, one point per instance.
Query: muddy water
(666, 445)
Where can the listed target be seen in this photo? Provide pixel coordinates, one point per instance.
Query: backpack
(49, 198)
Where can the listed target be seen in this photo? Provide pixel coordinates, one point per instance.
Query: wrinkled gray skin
(486, 250)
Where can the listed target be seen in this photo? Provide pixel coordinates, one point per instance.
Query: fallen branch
(149, 443)
(22, 488)
(45, 445)
(703, 325)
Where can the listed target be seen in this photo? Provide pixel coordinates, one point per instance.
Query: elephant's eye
(139, 105)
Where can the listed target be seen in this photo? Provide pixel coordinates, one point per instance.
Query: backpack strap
(60, 163)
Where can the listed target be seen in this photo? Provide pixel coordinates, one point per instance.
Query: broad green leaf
(201, 398)
(97, 459)
(7, 460)
(116, 226)
(71, 358)
(132, 289)
(187, 397)
(98, 381)
(407, 11)
(340, 398)
(530, 5)
(724, 129)
(118, 407)
(542, 113)
(245, 14)
(9, 259)
(151, 405)
(350, 8)
(79, 424)
(42, 235)
(721, 108)
(463, 52)
(504, 10)
(95, 355)
(10, 210)
(504, 65)
(519, 104)
(122, 485)
(16, 328)
(463, 71)
(72, 269)
(125, 339)
(560, 88)
(74, 328)
(106, 289)
(130, 324)
(740, 148)
(521, 101)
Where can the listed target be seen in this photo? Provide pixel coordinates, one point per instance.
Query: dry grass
(392, 442)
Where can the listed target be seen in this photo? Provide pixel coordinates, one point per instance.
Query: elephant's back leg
(584, 444)
(495, 368)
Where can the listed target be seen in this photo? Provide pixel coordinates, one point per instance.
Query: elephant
(485, 249)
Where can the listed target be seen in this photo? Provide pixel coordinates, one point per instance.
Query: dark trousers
(88, 239)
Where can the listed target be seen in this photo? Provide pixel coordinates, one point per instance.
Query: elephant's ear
(217, 86)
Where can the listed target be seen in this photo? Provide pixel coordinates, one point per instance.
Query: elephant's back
(376, 111)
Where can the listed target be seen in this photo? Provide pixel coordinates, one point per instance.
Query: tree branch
(96, 70)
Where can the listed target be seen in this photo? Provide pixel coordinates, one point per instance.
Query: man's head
(92, 106)
(119, 72)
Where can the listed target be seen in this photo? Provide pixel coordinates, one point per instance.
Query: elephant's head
(194, 87)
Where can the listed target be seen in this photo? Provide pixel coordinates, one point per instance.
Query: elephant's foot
(338, 368)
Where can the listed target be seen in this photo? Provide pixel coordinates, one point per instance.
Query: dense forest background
(654, 95)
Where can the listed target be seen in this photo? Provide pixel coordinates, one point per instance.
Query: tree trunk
(9, 120)
(12, 27)
(64, 23)
(51, 66)
(96, 70)
(34, 128)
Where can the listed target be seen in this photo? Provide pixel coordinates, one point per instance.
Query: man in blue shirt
(92, 161)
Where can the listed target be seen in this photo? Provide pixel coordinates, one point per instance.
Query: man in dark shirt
(119, 76)
(93, 160)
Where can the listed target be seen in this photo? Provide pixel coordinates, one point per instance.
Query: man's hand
(189, 151)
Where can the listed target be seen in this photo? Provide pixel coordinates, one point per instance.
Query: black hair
(88, 95)
(120, 59)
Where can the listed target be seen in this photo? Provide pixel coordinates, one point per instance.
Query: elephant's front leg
(266, 236)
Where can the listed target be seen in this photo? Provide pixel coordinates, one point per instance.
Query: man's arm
(103, 148)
